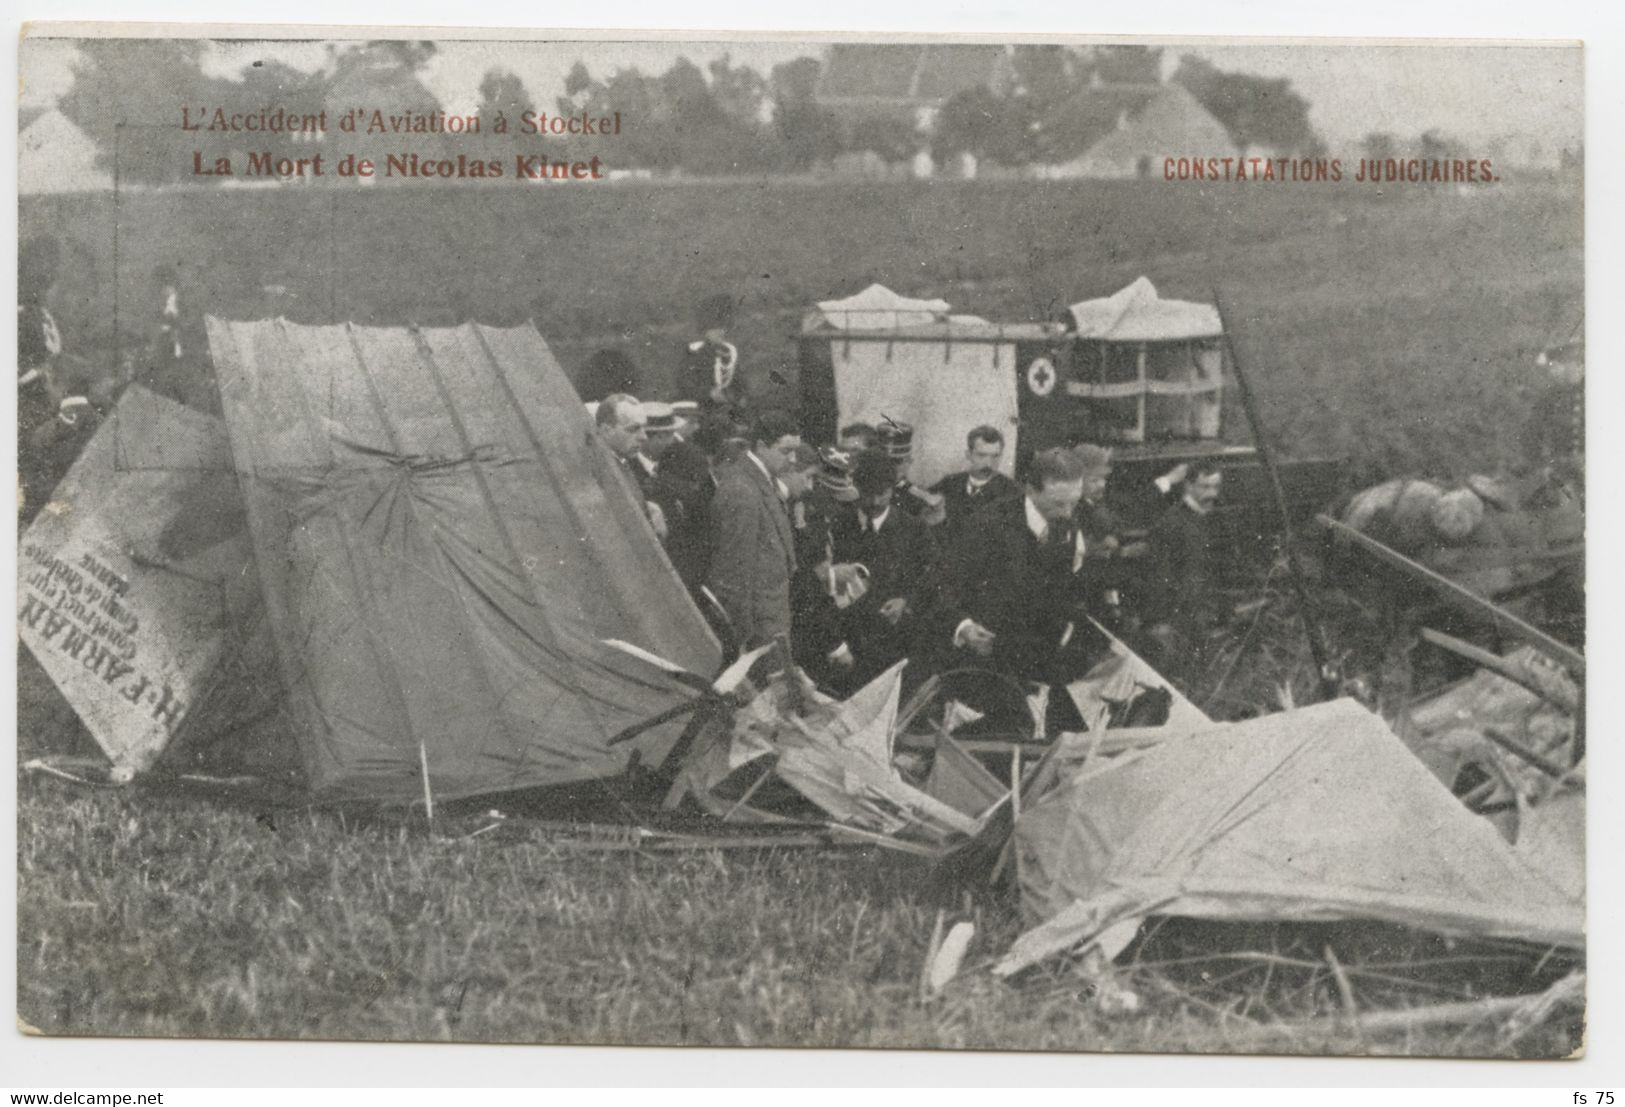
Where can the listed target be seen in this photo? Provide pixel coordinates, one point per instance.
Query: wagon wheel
(999, 697)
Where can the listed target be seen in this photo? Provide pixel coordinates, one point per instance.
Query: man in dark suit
(1116, 550)
(680, 481)
(1177, 595)
(898, 556)
(1013, 586)
(752, 548)
(974, 488)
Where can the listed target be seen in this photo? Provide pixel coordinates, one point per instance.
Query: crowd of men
(835, 551)
(832, 549)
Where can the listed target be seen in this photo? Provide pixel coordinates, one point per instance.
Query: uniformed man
(709, 375)
(818, 637)
(896, 441)
(54, 413)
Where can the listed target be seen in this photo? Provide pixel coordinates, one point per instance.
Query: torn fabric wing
(1286, 817)
(445, 550)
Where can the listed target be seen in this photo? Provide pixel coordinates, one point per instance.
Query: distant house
(907, 81)
(54, 155)
(1126, 131)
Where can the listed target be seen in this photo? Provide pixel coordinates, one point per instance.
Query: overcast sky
(1468, 91)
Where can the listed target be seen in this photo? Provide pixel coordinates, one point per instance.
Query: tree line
(722, 119)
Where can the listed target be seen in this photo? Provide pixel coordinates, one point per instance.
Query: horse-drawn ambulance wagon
(1145, 376)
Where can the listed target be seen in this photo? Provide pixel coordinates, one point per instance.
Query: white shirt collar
(874, 522)
(758, 462)
(1036, 521)
(1040, 528)
(1196, 507)
(647, 462)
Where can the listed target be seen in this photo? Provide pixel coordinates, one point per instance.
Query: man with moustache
(624, 429)
(980, 484)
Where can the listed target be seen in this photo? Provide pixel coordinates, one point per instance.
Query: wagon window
(1184, 388)
(1106, 379)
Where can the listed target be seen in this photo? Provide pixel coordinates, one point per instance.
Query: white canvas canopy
(1136, 313)
(941, 389)
(912, 361)
(879, 308)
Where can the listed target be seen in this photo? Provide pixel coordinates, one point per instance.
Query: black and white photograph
(1054, 544)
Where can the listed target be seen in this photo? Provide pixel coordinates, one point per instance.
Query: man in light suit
(752, 541)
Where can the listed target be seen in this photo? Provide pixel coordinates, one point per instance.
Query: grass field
(176, 916)
(1396, 328)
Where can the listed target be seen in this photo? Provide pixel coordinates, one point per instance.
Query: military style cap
(835, 469)
(895, 440)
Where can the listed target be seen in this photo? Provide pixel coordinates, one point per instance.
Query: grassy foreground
(178, 916)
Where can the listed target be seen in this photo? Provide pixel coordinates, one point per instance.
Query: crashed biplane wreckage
(793, 751)
(136, 590)
(1286, 817)
(450, 565)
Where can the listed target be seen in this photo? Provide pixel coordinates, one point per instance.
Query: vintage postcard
(914, 542)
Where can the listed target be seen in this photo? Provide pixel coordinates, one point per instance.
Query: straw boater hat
(687, 411)
(895, 440)
(658, 417)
